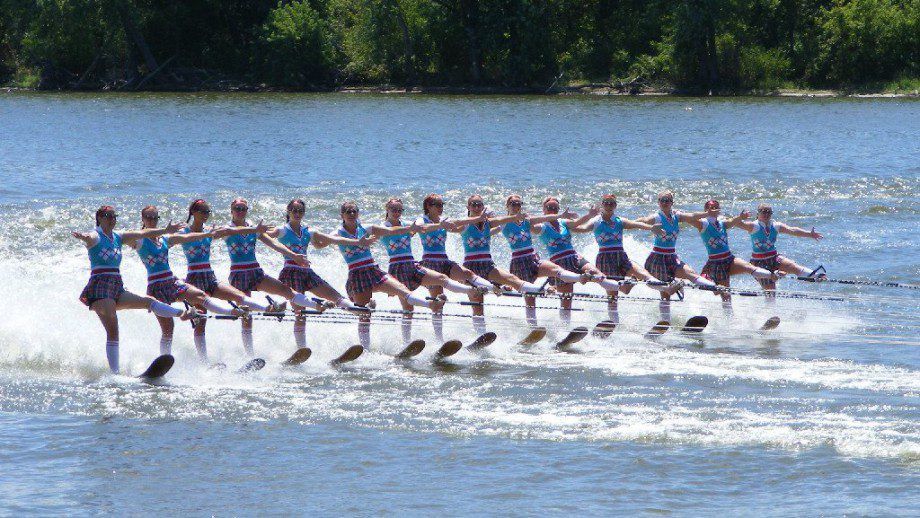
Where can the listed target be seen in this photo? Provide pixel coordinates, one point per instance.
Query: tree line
(689, 45)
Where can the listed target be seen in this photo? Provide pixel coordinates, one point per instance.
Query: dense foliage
(693, 45)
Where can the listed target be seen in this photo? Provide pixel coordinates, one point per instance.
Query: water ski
(482, 341)
(658, 329)
(158, 367)
(603, 329)
(252, 365)
(450, 348)
(350, 355)
(574, 336)
(695, 324)
(300, 355)
(536, 334)
(219, 367)
(413, 349)
(771, 323)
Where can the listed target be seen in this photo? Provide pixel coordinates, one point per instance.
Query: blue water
(820, 416)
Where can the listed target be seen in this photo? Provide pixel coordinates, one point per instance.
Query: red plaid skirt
(572, 263)
(770, 263)
(363, 279)
(480, 268)
(526, 267)
(99, 287)
(204, 281)
(246, 280)
(408, 273)
(167, 291)
(300, 280)
(441, 266)
(663, 266)
(718, 270)
(613, 264)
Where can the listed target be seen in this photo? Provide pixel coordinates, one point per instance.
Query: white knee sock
(479, 282)
(456, 287)
(531, 315)
(165, 344)
(664, 307)
(529, 287)
(437, 322)
(613, 314)
(416, 301)
(566, 316)
(201, 345)
(247, 341)
(570, 277)
(300, 333)
(610, 285)
(364, 334)
(760, 273)
(254, 304)
(164, 310)
(479, 324)
(111, 354)
(216, 306)
(703, 281)
(406, 329)
(302, 300)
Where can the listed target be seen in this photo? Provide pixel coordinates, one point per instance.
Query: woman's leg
(105, 310)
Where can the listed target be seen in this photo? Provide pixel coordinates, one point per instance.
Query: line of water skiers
(477, 275)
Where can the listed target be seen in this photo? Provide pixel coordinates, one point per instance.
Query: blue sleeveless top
(105, 255)
(477, 243)
(356, 256)
(155, 256)
(715, 238)
(242, 249)
(608, 235)
(667, 243)
(519, 237)
(295, 243)
(398, 247)
(197, 253)
(434, 243)
(763, 241)
(558, 243)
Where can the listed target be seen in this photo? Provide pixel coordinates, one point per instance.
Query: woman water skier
(162, 284)
(722, 264)
(611, 257)
(763, 233)
(525, 262)
(201, 275)
(297, 237)
(247, 275)
(365, 277)
(105, 293)
(557, 238)
(477, 244)
(397, 241)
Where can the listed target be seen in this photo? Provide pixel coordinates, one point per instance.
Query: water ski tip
(771, 323)
(536, 334)
(414, 348)
(300, 355)
(158, 367)
(252, 365)
(603, 329)
(482, 341)
(350, 355)
(695, 324)
(574, 336)
(658, 329)
(450, 348)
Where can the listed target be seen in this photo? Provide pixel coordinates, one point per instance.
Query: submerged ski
(252, 365)
(536, 334)
(658, 329)
(450, 348)
(695, 324)
(158, 367)
(574, 336)
(482, 341)
(771, 323)
(413, 349)
(351, 354)
(300, 355)
(603, 329)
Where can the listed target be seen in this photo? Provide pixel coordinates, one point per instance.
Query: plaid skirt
(613, 264)
(246, 280)
(300, 280)
(770, 263)
(101, 287)
(663, 266)
(441, 266)
(718, 270)
(363, 279)
(572, 263)
(167, 291)
(408, 273)
(480, 268)
(526, 267)
(204, 281)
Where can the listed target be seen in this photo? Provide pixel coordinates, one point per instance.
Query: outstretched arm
(459, 225)
(261, 228)
(89, 239)
(132, 235)
(178, 239)
(732, 222)
(321, 240)
(630, 224)
(747, 224)
(798, 232)
(279, 247)
(580, 225)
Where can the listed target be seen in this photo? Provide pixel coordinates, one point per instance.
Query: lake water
(820, 416)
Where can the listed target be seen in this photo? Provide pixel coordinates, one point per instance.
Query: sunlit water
(819, 415)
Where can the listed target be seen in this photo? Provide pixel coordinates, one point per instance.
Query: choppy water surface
(820, 415)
